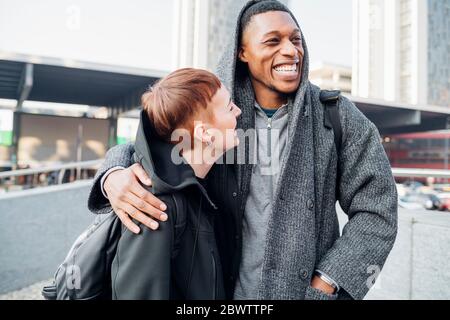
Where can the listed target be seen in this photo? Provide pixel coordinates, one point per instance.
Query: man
(286, 229)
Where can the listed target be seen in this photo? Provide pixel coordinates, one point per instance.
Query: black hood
(155, 155)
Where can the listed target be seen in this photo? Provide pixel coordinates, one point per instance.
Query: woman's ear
(201, 133)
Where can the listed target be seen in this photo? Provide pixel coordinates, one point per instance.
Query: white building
(401, 50)
(331, 77)
(202, 29)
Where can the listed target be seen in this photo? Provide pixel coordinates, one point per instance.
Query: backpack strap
(330, 100)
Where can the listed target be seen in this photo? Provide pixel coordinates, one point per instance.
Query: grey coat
(303, 231)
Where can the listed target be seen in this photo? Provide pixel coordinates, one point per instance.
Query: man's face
(272, 48)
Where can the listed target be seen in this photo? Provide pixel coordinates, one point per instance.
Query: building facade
(331, 77)
(401, 50)
(203, 29)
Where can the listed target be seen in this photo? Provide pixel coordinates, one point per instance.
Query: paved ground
(410, 272)
(37, 229)
(30, 293)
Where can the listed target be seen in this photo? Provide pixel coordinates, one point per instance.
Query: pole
(79, 149)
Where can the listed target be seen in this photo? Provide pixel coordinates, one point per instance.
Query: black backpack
(85, 273)
(330, 100)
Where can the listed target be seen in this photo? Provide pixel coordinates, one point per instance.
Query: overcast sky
(327, 26)
(127, 32)
(113, 32)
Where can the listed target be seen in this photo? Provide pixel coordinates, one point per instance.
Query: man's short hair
(259, 7)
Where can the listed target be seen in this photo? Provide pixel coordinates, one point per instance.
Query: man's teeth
(286, 68)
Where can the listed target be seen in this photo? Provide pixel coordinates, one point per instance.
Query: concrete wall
(419, 264)
(38, 144)
(37, 228)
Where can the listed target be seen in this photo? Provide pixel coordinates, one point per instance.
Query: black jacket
(181, 259)
(223, 189)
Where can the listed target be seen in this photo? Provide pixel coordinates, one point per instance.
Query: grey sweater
(271, 141)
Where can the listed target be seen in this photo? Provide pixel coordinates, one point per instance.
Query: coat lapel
(293, 210)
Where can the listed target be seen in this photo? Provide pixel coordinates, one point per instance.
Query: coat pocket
(316, 294)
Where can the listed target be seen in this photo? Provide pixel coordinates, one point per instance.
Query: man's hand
(321, 285)
(129, 198)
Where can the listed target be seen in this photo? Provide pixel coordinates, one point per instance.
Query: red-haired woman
(187, 124)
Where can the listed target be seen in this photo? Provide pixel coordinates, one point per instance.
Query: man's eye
(271, 41)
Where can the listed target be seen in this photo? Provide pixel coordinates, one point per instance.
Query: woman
(188, 123)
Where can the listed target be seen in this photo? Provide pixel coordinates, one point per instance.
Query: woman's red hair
(176, 99)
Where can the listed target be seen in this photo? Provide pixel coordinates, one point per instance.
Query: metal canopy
(62, 81)
(396, 118)
(33, 78)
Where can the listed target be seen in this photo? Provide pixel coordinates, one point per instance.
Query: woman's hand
(129, 199)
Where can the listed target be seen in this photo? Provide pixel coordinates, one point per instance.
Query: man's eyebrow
(271, 32)
(296, 30)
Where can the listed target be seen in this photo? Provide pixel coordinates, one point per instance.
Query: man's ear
(242, 55)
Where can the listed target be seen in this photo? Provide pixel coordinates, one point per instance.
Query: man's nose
(289, 49)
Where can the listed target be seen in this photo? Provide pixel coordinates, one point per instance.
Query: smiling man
(278, 231)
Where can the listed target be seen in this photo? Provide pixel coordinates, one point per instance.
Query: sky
(327, 27)
(120, 32)
(114, 32)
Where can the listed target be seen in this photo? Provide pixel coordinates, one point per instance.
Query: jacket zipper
(269, 133)
(269, 138)
(214, 275)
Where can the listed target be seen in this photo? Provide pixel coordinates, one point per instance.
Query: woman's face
(225, 114)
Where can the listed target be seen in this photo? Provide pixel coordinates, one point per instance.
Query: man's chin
(287, 88)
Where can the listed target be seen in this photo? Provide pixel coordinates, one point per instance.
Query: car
(443, 187)
(445, 201)
(413, 185)
(409, 205)
(428, 201)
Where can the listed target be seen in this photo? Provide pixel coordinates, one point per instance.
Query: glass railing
(57, 174)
